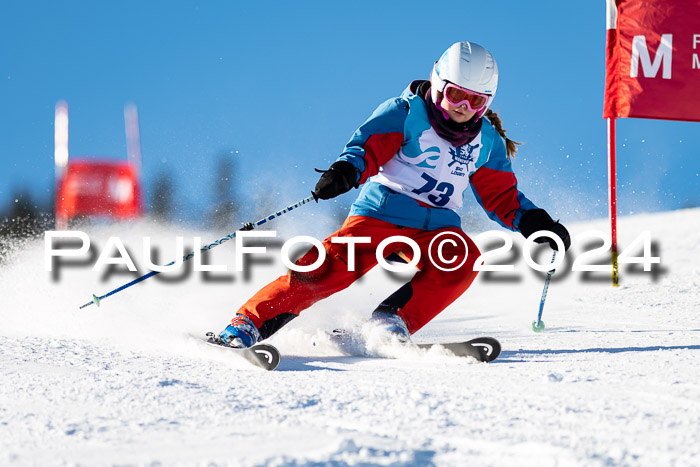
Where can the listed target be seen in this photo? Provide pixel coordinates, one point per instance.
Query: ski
(262, 355)
(483, 349)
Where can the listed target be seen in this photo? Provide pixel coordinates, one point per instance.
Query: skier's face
(460, 114)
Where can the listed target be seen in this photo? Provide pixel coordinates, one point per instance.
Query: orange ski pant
(429, 292)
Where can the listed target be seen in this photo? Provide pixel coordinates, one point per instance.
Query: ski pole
(248, 226)
(538, 326)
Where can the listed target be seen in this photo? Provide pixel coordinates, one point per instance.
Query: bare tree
(162, 198)
(225, 208)
(22, 222)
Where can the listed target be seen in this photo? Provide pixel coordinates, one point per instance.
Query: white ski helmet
(468, 65)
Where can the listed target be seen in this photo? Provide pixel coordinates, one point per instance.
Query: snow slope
(614, 379)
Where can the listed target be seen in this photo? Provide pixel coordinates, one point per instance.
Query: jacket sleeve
(496, 189)
(378, 139)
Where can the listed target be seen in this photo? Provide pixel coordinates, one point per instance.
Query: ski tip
(268, 356)
(489, 348)
(483, 349)
(263, 356)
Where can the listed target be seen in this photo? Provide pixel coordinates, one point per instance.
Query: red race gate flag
(653, 59)
(652, 70)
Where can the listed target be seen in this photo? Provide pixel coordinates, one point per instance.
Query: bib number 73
(444, 189)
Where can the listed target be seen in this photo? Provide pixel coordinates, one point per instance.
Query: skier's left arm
(496, 189)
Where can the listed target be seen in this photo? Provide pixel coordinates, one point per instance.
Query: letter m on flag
(640, 53)
(651, 51)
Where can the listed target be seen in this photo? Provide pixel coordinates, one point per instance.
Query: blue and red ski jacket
(415, 178)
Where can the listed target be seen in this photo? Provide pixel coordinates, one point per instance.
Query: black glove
(538, 219)
(335, 181)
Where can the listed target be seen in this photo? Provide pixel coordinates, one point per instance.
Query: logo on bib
(462, 155)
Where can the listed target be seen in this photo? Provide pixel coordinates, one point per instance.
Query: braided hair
(511, 146)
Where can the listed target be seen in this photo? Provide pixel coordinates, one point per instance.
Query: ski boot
(241, 333)
(387, 327)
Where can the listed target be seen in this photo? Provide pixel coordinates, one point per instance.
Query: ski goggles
(457, 96)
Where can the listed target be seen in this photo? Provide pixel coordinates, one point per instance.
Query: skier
(415, 156)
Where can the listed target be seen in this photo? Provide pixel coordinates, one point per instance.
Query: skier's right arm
(371, 146)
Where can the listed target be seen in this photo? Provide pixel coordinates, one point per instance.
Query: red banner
(108, 188)
(653, 59)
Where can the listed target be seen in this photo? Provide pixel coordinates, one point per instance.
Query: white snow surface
(613, 380)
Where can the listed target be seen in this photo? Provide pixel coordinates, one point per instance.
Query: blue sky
(281, 86)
